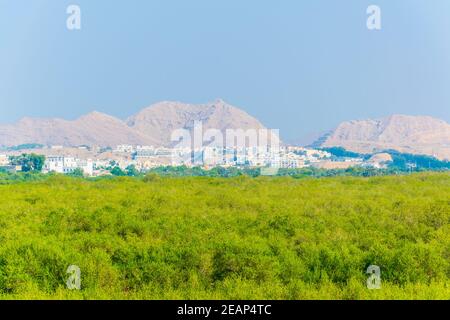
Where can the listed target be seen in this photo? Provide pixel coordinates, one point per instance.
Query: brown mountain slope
(92, 129)
(152, 126)
(409, 134)
(161, 119)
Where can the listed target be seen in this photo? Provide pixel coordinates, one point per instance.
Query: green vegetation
(183, 171)
(27, 146)
(28, 162)
(238, 238)
(400, 161)
(116, 171)
(404, 161)
(312, 172)
(342, 153)
(78, 173)
(9, 178)
(131, 171)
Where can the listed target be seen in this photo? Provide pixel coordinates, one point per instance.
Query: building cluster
(282, 157)
(144, 158)
(68, 165)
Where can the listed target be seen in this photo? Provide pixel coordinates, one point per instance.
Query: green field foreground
(219, 238)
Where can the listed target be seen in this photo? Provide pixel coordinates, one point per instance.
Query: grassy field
(218, 238)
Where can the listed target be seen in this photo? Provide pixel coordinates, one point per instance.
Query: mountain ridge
(152, 125)
(409, 134)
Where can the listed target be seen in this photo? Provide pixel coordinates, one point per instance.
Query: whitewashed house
(4, 160)
(67, 165)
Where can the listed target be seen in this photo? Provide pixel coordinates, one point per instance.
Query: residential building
(66, 165)
(4, 160)
(124, 149)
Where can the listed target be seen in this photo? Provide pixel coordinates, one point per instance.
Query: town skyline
(157, 124)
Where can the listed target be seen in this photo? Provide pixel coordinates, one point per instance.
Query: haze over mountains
(160, 120)
(151, 126)
(407, 134)
(155, 124)
(94, 128)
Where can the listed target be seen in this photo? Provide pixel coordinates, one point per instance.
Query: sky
(298, 66)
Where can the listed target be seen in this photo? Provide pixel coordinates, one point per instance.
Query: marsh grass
(226, 238)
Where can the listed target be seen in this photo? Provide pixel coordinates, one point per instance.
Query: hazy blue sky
(300, 66)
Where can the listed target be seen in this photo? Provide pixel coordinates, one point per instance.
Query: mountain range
(151, 126)
(154, 125)
(408, 134)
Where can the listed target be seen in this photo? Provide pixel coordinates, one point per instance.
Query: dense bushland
(236, 238)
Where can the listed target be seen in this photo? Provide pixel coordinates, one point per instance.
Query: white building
(66, 165)
(180, 157)
(124, 148)
(213, 156)
(150, 152)
(292, 161)
(310, 154)
(87, 166)
(4, 160)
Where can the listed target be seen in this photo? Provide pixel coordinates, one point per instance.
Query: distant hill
(92, 129)
(407, 134)
(155, 124)
(161, 119)
(151, 126)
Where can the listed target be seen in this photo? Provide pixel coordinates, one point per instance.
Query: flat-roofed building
(4, 160)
